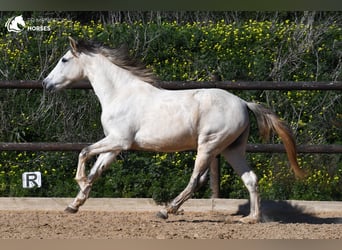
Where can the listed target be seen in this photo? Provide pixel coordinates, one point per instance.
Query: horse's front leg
(107, 155)
(81, 179)
(101, 164)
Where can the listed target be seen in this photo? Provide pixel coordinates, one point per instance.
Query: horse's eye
(64, 60)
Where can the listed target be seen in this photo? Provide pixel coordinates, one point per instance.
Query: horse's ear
(73, 46)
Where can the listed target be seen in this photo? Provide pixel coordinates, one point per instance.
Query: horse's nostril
(47, 86)
(44, 83)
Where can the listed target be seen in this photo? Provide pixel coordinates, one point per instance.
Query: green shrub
(279, 50)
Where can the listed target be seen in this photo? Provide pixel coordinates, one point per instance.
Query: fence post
(215, 177)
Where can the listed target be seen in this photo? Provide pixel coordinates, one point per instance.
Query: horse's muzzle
(47, 85)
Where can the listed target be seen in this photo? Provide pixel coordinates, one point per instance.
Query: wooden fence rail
(173, 85)
(252, 148)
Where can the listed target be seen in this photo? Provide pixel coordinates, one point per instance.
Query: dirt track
(144, 225)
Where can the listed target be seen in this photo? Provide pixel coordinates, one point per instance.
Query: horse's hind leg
(198, 177)
(102, 163)
(235, 155)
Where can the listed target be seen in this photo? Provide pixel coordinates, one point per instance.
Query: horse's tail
(267, 121)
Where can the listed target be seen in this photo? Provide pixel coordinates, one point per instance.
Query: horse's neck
(109, 80)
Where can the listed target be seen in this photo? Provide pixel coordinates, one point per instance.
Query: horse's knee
(84, 153)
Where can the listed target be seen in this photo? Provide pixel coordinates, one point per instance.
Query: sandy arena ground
(145, 225)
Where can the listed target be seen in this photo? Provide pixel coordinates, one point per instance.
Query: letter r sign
(32, 179)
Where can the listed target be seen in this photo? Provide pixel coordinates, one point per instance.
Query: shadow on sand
(285, 212)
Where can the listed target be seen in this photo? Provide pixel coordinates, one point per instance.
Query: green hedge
(282, 50)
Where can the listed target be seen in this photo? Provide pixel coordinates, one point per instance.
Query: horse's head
(68, 69)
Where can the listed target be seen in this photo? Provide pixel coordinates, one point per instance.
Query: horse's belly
(165, 140)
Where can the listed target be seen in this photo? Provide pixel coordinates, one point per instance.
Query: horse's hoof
(71, 210)
(249, 220)
(162, 214)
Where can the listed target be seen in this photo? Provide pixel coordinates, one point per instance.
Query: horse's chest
(117, 119)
